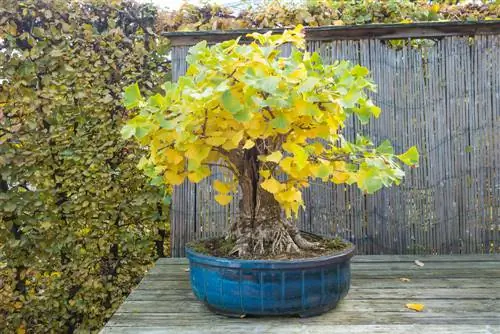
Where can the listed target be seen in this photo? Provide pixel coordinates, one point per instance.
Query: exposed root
(242, 248)
(283, 243)
(269, 238)
(243, 241)
(300, 241)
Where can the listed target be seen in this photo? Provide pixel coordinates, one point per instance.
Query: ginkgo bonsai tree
(273, 123)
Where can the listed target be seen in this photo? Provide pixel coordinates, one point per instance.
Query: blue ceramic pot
(303, 287)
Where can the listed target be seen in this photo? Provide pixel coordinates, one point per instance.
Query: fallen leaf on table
(186, 270)
(404, 279)
(419, 263)
(415, 307)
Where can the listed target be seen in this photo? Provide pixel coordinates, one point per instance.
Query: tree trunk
(261, 230)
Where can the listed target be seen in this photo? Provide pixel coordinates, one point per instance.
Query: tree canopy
(237, 97)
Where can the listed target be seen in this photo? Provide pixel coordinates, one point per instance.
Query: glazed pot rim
(236, 263)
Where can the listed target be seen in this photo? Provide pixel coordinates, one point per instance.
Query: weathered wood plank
(348, 305)
(285, 328)
(369, 31)
(365, 283)
(377, 297)
(411, 266)
(355, 293)
(349, 319)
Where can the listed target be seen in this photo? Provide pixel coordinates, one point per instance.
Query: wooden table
(461, 294)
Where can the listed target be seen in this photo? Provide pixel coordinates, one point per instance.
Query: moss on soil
(221, 247)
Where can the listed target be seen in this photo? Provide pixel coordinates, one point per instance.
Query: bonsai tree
(273, 123)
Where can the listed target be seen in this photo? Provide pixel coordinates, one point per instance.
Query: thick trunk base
(269, 238)
(261, 230)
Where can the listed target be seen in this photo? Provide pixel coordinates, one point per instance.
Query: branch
(269, 111)
(232, 75)
(204, 127)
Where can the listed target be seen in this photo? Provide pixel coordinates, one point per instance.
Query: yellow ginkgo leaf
(271, 185)
(317, 148)
(265, 173)
(173, 178)
(299, 73)
(173, 157)
(419, 263)
(286, 165)
(197, 152)
(248, 144)
(222, 187)
(238, 136)
(215, 141)
(415, 307)
(291, 195)
(199, 174)
(274, 157)
(223, 199)
(233, 141)
(340, 177)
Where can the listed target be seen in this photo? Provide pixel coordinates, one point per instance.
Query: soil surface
(221, 247)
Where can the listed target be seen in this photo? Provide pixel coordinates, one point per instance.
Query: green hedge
(286, 13)
(78, 223)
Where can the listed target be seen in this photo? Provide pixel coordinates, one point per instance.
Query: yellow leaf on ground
(415, 307)
(419, 263)
(18, 305)
(223, 199)
(21, 330)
